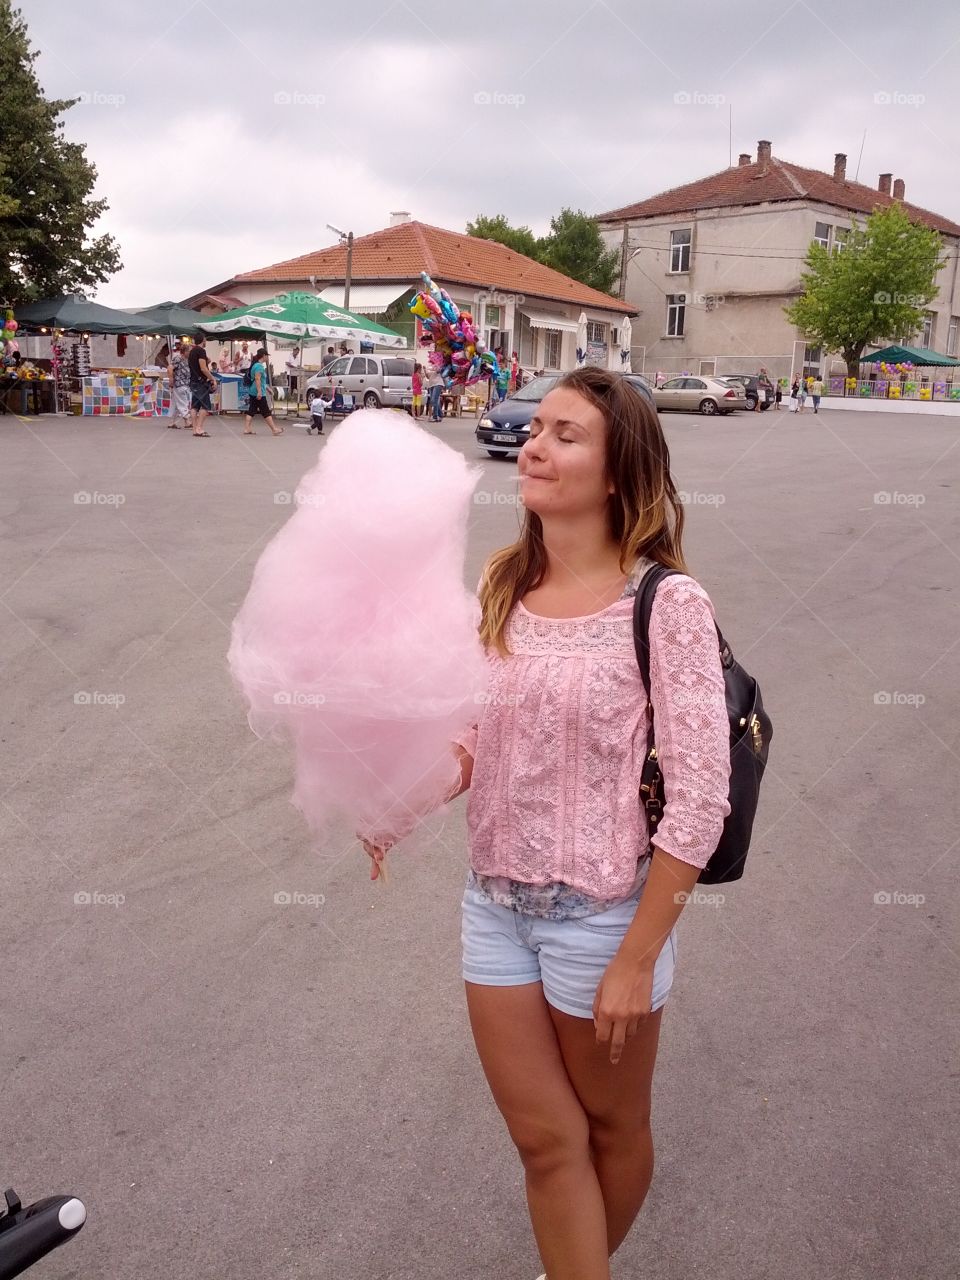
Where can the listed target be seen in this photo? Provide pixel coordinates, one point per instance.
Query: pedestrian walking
(178, 374)
(434, 392)
(778, 395)
(258, 402)
(801, 395)
(202, 383)
(816, 391)
(417, 390)
(570, 912)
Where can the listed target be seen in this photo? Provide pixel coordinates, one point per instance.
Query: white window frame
(840, 238)
(680, 251)
(492, 315)
(552, 340)
(928, 330)
(676, 314)
(822, 239)
(952, 331)
(596, 331)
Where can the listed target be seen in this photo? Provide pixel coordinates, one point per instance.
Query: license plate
(499, 439)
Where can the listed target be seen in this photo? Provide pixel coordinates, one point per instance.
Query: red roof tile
(453, 257)
(772, 181)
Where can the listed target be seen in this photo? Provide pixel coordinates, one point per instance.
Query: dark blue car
(505, 428)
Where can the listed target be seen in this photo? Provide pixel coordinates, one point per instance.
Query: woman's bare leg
(521, 1059)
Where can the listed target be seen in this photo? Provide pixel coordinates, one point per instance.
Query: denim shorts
(504, 948)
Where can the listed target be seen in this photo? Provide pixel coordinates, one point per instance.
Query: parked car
(702, 395)
(505, 428)
(373, 381)
(757, 386)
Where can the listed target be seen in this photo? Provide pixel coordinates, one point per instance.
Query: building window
(492, 317)
(596, 332)
(840, 238)
(708, 368)
(812, 360)
(926, 333)
(680, 250)
(821, 234)
(952, 335)
(676, 311)
(552, 339)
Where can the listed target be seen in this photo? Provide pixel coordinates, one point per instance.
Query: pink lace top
(559, 749)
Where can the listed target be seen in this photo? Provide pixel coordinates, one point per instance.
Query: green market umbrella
(908, 355)
(170, 318)
(76, 315)
(298, 315)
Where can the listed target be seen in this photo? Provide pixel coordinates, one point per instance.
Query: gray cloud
(227, 136)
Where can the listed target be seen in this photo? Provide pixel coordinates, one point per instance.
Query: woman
(569, 914)
(259, 402)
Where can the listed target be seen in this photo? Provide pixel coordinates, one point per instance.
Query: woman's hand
(377, 852)
(622, 1001)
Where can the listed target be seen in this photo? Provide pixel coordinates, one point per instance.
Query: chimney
(883, 185)
(898, 189)
(744, 159)
(763, 151)
(840, 166)
(402, 215)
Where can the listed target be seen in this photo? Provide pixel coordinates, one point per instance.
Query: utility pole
(346, 237)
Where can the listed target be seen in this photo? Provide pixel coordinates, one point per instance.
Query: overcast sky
(227, 135)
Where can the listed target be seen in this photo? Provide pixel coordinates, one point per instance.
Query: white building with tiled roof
(710, 265)
(518, 304)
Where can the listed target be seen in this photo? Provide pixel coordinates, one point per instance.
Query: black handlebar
(26, 1235)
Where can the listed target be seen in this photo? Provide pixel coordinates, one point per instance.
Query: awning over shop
(908, 355)
(366, 299)
(544, 320)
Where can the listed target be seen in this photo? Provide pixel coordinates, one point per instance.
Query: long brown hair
(645, 513)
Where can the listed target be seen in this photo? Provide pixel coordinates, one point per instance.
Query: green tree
(520, 239)
(874, 290)
(576, 247)
(45, 185)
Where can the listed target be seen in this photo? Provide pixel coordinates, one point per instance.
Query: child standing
(417, 390)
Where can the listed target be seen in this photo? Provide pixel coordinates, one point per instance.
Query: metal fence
(921, 387)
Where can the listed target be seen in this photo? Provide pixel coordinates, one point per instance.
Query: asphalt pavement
(242, 1088)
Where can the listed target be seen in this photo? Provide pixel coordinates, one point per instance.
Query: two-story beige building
(711, 265)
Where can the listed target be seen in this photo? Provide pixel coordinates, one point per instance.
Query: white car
(373, 381)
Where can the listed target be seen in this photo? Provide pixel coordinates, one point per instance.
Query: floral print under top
(556, 825)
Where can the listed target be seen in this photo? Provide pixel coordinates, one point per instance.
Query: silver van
(373, 381)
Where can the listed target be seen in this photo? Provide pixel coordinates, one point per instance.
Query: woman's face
(562, 467)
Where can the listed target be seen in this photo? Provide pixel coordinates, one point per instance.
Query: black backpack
(246, 378)
(750, 734)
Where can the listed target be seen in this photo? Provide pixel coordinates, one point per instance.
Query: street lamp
(348, 237)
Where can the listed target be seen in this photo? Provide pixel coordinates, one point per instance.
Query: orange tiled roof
(772, 181)
(403, 251)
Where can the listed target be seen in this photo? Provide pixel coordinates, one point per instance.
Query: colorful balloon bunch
(891, 369)
(458, 352)
(9, 332)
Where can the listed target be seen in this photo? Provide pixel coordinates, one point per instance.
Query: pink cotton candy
(358, 638)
